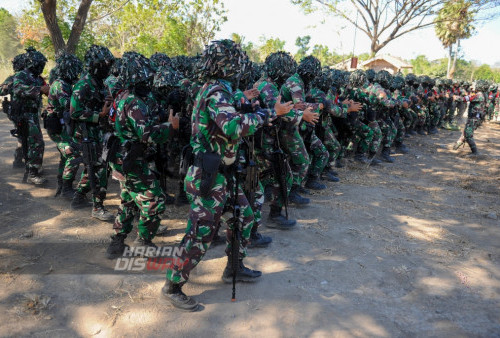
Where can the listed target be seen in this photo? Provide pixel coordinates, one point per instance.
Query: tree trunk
(454, 64)
(49, 14)
(78, 25)
(450, 51)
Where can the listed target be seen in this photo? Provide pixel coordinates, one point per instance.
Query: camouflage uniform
(87, 101)
(26, 95)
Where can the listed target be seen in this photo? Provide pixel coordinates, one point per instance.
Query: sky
(280, 19)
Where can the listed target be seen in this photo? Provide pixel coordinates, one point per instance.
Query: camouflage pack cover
(280, 65)
(357, 78)
(135, 68)
(222, 59)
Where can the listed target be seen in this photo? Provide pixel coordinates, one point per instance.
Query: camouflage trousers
(421, 116)
(331, 143)
(203, 219)
(268, 178)
(469, 128)
(101, 179)
(400, 129)
(409, 118)
(68, 157)
(490, 111)
(377, 137)
(294, 146)
(434, 115)
(363, 135)
(318, 154)
(450, 111)
(140, 194)
(36, 145)
(257, 211)
(389, 132)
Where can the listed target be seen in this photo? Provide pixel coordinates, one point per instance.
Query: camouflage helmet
(493, 87)
(115, 68)
(323, 81)
(336, 78)
(357, 78)
(411, 79)
(309, 67)
(35, 61)
(248, 74)
(447, 82)
(424, 80)
(222, 59)
(68, 67)
(160, 60)
(398, 82)
(182, 64)
(279, 66)
(166, 78)
(98, 60)
(465, 84)
(19, 62)
(135, 69)
(439, 82)
(370, 75)
(383, 78)
(481, 85)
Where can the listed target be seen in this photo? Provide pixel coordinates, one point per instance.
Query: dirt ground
(404, 249)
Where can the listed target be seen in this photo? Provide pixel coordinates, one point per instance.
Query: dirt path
(408, 249)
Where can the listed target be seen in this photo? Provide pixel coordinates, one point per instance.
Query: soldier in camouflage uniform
(384, 107)
(137, 130)
(58, 122)
(216, 134)
(18, 64)
(28, 87)
(278, 67)
(401, 104)
(476, 110)
(295, 89)
(90, 106)
(493, 91)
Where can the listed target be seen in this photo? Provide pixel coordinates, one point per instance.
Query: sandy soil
(408, 249)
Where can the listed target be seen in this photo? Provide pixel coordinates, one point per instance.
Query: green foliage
(10, 42)
(270, 46)
(303, 44)
(454, 21)
(484, 72)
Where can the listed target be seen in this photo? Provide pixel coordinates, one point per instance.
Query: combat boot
(374, 161)
(173, 293)
(67, 189)
(313, 183)
(339, 163)
(412, 131)
(181, 198)
(117, 246)
(35, 178)
(257, 240)
(386, 155)
(150, 249)
(79, 201)
(101, 213)
(433, 130)
(243, 274)
(59, 185)
(277, 220)
(361, 157)
(401, 148)
(420, 130)
(327, 175)
(294, 196)
(18, 158)
(473, 148)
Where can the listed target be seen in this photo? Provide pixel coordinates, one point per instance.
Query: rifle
(89, 158)
(251, 178)
(280, 170)
(235, 238)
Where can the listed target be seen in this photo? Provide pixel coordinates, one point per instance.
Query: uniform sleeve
(78, 110)
(146, 129)
(232, 124)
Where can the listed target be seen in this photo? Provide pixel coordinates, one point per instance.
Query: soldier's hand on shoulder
(310, 116)
(354, 106)
(282, 108)
(300, 106)
(174, 120)
(105, 108)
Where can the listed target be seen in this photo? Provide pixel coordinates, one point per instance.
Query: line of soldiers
(239, 133)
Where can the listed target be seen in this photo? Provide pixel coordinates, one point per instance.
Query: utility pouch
(52, 124)
(186, 160)
(209, 164)
(133, 151)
